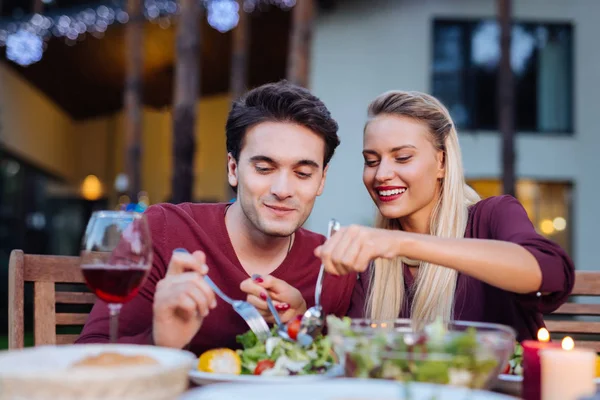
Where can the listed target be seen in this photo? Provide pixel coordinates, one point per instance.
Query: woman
(438, 250)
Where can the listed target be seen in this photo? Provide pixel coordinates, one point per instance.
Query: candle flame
(567, 343)
(543, 335)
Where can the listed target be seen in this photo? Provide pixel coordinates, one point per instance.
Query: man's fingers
(208, 292)
(185, 306)
(199, 256)
(172, 292)
(202, 303)
(182, 261)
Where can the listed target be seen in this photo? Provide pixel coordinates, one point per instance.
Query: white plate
(206, 378)
(511, 384)
(337, 389)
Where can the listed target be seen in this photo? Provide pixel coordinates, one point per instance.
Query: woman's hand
(288, 300)
(352, 248)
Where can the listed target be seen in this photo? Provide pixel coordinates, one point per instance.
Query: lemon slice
(220, 361)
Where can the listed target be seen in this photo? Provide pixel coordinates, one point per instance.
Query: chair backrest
(580, 319)
(49, 274)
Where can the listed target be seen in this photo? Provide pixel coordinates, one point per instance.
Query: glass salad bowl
(458, 353)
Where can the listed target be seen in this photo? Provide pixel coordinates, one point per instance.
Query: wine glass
(116, 257)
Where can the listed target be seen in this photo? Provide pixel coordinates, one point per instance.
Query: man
(280, 139)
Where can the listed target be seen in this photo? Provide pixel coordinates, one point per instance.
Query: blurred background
(122, 104)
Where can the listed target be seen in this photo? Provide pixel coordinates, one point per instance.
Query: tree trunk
(187, 74)
(506, 109)
(134, 40)
(239, 55)
(300, 42)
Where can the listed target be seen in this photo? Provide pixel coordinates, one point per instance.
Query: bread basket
(51, 372)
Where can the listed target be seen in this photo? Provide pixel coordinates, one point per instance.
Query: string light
(24, 48)
(28, 35)
(223, 14)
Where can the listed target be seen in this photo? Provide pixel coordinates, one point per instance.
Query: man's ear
(322, 184)
(232, 170)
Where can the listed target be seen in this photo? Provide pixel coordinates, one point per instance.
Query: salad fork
(282, 329)
(247, 311)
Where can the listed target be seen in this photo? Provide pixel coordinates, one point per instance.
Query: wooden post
(300, 42)
(134, 41)
(239, 54)
(187, 82)
(238, 82)
(506, 109)
(38, 6)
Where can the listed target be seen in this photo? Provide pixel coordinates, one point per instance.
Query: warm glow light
(559, 223)
(373, 325)
(143, 198)
(567, 343)
(543, 335)
(91, 188)
(383, 325)
(547, 227)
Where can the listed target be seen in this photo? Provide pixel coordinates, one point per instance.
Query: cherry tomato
(293, 327)
(506, 369)
(263, 365)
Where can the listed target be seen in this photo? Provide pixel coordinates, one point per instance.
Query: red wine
(114, 283)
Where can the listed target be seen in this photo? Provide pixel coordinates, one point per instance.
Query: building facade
(449, 48)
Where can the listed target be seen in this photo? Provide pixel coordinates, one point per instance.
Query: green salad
(278, 357)
(434, 355)
(515, 362)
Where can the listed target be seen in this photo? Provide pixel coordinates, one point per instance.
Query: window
(466, 55)
(548, 205)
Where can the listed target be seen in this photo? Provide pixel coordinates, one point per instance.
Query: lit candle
(531, 389)
(567, 373)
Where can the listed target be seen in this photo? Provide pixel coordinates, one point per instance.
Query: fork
(247, 311)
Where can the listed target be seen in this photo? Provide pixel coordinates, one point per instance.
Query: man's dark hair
(280, 102)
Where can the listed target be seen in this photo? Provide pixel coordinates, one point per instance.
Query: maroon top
(202, 227)
(500, 218)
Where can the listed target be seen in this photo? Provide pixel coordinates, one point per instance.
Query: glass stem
(114, 310)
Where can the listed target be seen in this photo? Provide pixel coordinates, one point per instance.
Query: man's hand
(182, 300)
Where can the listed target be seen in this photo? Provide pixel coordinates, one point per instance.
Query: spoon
(313, 319)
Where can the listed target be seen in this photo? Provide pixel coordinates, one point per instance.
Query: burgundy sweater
(202, 227)
(500, 218)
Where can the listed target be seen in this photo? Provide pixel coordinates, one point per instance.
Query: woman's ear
(441, 161)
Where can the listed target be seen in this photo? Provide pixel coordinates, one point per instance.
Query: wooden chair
(48, 275)
(580, 320)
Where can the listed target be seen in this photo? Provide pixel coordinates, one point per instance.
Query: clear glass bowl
(467, 354)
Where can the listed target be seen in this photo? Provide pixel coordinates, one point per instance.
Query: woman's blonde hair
(435, 285)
